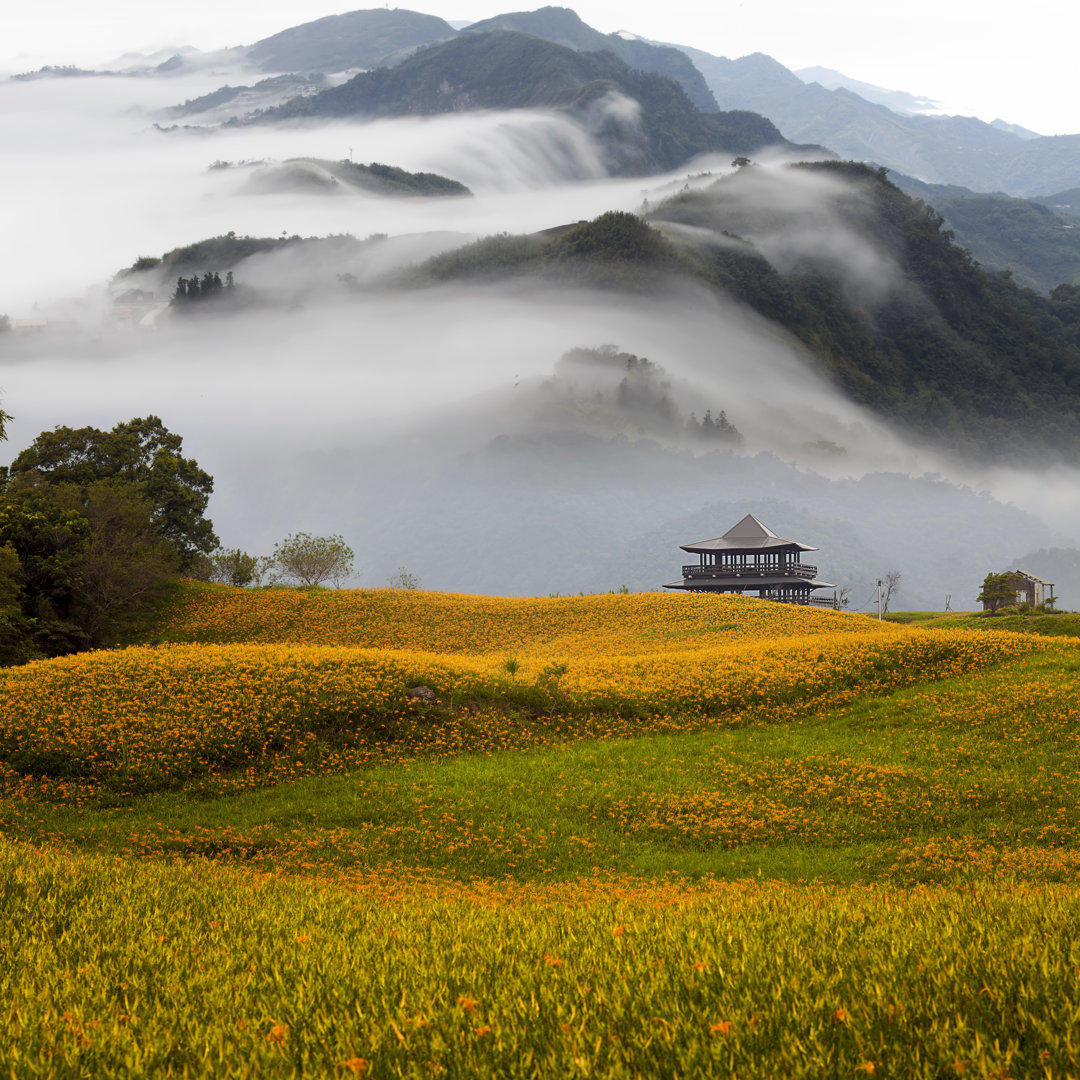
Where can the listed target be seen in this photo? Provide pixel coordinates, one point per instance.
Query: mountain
(382, 38)
(644, 122)
(228, 101)
(1064, 202)
(895, 314)
(1039, 246)
(357, 39)
(936, 149)
(899, 101)
(563, 27)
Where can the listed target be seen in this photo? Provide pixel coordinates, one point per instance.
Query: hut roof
(1032, 577)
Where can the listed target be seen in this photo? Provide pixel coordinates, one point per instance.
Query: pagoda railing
(715, 570)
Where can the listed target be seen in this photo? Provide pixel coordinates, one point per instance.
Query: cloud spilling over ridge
(105, 186)
(793, 217)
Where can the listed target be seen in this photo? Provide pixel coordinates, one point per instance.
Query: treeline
(208, 287)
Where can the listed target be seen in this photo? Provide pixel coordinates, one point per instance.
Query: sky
(1016, 68)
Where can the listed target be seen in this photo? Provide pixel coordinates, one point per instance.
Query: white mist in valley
(91, 183)
(434, 427)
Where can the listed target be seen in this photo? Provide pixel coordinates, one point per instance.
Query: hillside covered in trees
(927, 339)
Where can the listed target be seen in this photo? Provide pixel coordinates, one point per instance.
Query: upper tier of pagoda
(750, 557)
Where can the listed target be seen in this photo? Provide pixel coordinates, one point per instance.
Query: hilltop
(564, 27)
(369, 38)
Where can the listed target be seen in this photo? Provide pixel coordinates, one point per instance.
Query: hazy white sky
(976, 58)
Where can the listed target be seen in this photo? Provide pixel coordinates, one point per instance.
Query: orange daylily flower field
(623, 835)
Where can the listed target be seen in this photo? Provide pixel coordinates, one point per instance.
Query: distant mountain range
(644, 122)
(936, 149)
(691, 102)
(563, 27)
(820, 107)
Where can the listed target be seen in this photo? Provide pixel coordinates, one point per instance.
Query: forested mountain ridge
(511, 70)
(963, 358)
(1036, 243)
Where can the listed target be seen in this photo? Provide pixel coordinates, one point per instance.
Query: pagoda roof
(748, 535)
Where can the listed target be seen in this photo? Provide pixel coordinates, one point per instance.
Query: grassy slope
(1062, 624)
(575, 854)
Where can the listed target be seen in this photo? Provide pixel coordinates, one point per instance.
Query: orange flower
(620, 930)
(354, 1064)
(467, 1003)
(721, 1027)
(277, 1034)
(841, 1015)
(484, 1029)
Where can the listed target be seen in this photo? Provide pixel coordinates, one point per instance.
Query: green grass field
(880, 878)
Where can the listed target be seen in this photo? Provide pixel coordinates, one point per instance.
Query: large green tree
(142, 454)
(93, 525)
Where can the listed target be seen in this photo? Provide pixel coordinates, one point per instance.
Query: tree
(15, 645)
(142, 453)
(231, 566)
(126, 562)
(311, 560)
(998, 590)
(98, 523)
(889, 585)
(50, 544)
(404, 580)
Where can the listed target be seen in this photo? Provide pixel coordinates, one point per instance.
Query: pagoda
(751, 558)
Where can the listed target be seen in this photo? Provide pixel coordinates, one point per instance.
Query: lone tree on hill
(310, 560)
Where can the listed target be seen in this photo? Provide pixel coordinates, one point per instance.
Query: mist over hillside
(435, 425)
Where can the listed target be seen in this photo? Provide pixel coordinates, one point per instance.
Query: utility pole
(879, 599)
